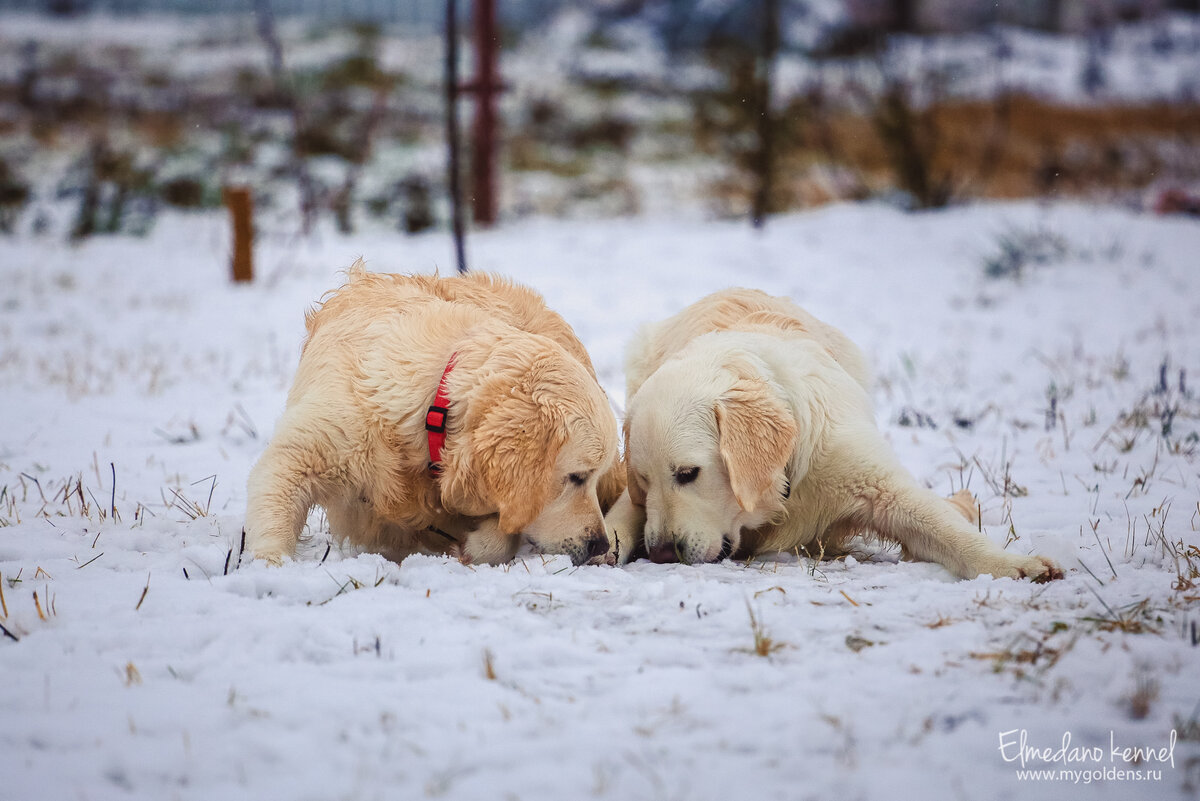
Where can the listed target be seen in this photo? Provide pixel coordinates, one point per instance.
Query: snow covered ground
(142, 659)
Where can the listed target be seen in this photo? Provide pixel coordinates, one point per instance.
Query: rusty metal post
(241, 211)
(486, 86)
(764, 157)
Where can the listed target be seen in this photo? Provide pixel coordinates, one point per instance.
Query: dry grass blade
(4, 630)
(1129, 621)
(37, 484)
(1187, 567)
(132, 675)
(1096, 533)
(189, 508)
(193, 435)
(145, 590)
(1029, 656)
(1090, 573)
(211, 488)
(246, 423)
(489, 669)
(763, 644)
(1145, 693)
(3, 603)
(350, 583)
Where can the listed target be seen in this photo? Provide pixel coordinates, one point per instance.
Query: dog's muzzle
(669, 550)
(594, 545)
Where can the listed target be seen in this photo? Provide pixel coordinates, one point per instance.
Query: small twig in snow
(145, 590)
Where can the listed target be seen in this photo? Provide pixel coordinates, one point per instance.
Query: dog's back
(737, 310)
(515, 305)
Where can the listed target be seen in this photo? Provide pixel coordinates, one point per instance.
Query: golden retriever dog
(749, 429)
(435, 414)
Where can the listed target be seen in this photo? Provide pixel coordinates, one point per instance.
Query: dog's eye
(578, 479)
(686, 475)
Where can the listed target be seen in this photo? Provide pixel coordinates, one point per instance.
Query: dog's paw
(621, 551)
(625, 543)
(609, 559)
(1042, 569)
(486, 545)
(269, 549)
(1037, 569)
(966, 504)
(272, 558)
(459, 551)
(623, 524)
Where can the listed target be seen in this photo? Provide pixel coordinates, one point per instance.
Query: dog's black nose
(597, 545)
(664, 552)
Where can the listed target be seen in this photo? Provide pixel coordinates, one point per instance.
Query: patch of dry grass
(764, 645)
(1016, 146)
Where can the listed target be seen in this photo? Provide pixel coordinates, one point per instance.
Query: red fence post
(486, 86)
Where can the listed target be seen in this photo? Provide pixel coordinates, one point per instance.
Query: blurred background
(334, 113)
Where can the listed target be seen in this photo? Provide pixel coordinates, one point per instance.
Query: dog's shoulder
(368, 295)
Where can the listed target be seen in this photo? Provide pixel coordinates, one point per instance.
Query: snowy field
(142, 659)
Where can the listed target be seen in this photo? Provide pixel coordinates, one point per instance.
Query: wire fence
(415, 13)
(420, 14)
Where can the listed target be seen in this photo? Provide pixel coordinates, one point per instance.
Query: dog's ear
(756, 434)
(515, 448)
(512, 437)
(636, 493)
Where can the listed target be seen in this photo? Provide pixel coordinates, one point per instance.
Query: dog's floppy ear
(516, 444)
(757, 435)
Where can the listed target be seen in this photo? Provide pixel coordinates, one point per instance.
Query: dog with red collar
(434, 414)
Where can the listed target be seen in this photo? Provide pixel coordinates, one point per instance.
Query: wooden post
(241, 211)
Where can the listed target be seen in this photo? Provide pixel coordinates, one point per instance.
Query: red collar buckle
(435, 420)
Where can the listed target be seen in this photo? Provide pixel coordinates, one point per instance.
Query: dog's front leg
(280, 491)
(624, 523)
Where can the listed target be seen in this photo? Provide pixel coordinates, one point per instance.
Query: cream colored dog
(749, 430)
(530, 446)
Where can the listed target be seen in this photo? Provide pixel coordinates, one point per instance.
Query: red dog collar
(435, 420)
